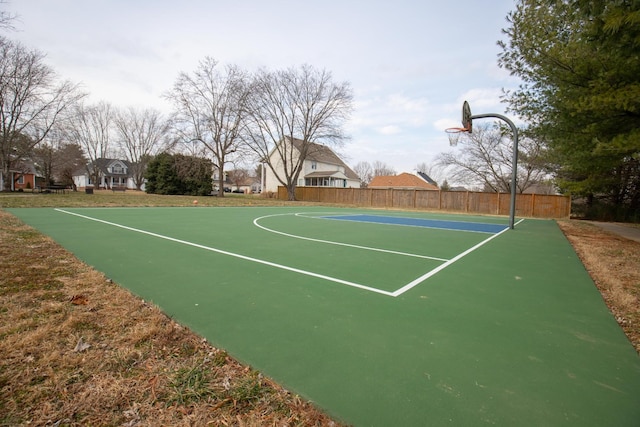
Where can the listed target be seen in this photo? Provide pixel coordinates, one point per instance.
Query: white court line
(295, 236)
(441, 267)
(394, 294)
(220, 251)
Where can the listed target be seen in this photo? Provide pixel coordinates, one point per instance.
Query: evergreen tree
(179, 174)
(579, 62)
(161, 176)
(195, 174)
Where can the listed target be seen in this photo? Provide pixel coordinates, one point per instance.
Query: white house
(113, 173)
(321, 168)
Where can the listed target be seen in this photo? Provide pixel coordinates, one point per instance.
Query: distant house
(427, 178)
(238, 182)
(113, 173)
(22, 180)
(321, 168)
(404, 181)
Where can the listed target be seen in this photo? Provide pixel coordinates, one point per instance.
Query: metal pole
(514, 160)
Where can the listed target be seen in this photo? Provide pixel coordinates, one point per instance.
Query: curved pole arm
(514, 160)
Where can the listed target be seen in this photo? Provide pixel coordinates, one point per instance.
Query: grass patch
(190, 385)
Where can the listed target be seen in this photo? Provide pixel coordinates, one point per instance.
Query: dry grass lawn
(76, 349)
(614, 265)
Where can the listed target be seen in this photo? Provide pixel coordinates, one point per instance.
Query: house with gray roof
(321, 168)
(112, 172)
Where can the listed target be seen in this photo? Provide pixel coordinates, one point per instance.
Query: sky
(410, 63)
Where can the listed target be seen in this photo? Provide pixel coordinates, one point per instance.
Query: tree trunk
(6, 180)
(291, 192)
(221, 184)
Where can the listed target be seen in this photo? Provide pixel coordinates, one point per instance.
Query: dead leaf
(81, 346)
(79, 300)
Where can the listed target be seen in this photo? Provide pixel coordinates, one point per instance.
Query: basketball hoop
(454, 135)
(467, 125)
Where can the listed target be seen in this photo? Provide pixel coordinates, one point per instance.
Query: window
(324, 182)
(118, 168)
(314, 165)
(21, 179)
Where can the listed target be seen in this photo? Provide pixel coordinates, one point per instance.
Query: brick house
(404, 181)
(23, 178)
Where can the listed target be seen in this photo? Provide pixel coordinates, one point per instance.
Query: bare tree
(364, 170)
(238, 177)
(42, 157)
(56, 160)
(6, 18)
(433, 171)
(140, 135)
(290, 112)
(67, 159)
(382, 169)
(210, 111)
(91, 128)
(31, 102)
(485, 158)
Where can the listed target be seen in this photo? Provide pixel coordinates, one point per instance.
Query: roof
(24, 167)
(427, 178)
(404, 180)
(103, 164)
(323, 154)
(320, 174)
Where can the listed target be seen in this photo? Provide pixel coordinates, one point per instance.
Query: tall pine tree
(579, 62)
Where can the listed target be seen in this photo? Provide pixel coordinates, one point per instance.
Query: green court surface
(381, 318)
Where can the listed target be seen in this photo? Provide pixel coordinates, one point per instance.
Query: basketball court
(378, 317)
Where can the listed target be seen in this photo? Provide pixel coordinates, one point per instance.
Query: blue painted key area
(421, 222)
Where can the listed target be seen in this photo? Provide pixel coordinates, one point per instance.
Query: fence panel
(454, 201)
(428, 199)
(403, 198)
(361, 197)
(485, 203)
(380, 198)
(547, 206)
(527, 205)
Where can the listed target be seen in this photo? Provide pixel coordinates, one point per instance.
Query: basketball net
(454, 135)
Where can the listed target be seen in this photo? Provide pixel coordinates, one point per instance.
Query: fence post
(533, 203)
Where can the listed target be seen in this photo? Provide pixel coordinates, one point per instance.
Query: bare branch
(140, 134)
(302, 104)
(485, 158)
(91, 127)
(210, 111)
(31, 103)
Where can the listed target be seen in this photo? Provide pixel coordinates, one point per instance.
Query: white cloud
(442, 124)
(389, 130)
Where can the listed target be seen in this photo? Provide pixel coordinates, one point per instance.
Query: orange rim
(456, 130)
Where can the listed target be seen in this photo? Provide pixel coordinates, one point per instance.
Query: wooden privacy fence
(527, 205)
